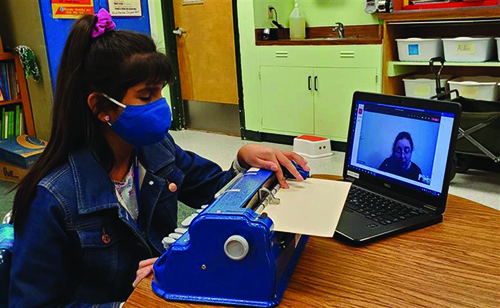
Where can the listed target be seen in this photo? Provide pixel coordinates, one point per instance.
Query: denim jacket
(78, 247)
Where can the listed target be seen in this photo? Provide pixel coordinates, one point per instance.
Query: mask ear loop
(114, 101)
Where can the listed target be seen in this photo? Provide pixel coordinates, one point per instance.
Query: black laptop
(399, 158)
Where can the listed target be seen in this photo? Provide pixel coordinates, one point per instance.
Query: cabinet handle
(309, 82)
(315, 83)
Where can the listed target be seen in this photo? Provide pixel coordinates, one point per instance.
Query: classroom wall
(57, 30)
(20, 24)
(24, 22)
(252, 14)
(317, 12)
(158, 34)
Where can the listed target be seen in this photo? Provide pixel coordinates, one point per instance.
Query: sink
(326, 40)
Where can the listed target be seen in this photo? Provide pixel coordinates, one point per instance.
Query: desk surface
(455, 263)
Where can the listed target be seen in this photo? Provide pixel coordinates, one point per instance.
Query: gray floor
(6, 198)
(477, 185)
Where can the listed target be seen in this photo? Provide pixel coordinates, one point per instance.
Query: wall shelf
(397, 68)
(13, 101)
(444, 24)
(442, 14)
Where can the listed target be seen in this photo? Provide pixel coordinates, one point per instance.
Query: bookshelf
(22, 96)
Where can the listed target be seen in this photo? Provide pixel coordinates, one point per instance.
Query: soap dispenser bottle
(297, 23)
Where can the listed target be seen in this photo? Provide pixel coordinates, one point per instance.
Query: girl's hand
(256, 155)
(145, 268)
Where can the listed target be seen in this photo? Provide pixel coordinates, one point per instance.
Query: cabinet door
(287, 101)
(333, 89)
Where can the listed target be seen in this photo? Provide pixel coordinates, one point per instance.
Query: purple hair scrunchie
(104, 23)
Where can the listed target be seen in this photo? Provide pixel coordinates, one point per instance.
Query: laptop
(399, 159)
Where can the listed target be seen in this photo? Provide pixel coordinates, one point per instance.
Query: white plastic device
(371, 6)
(312, 146)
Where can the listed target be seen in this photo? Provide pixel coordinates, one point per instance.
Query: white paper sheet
(310, 207)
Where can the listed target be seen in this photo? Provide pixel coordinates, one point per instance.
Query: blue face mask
(142, 125)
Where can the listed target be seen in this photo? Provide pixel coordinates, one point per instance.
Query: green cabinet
(287, 99)
(334, 88)
(311, 100)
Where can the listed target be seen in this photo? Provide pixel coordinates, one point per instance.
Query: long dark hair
(111, 64)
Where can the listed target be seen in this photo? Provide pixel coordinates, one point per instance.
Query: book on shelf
(21, 151)
(9, 84)
(17, 121)
(13, 84)
(11, 121)
(4, 81)
(5, 123)
(22, 127)
(10, 129)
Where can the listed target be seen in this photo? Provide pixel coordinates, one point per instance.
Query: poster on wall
(125, 8)
(71, 9)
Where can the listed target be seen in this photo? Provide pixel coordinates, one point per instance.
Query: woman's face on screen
(402, 153)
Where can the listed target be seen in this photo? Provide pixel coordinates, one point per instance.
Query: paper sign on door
(125, 8)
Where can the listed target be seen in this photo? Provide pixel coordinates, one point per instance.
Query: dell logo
(387, 185)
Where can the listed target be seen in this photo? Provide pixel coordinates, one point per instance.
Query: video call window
(398, 141)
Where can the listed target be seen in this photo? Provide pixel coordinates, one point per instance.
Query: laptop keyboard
(378, 208)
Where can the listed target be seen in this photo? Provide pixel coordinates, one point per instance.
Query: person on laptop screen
(399, 162)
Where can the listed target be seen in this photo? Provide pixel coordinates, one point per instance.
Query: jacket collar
(157, 156)
(95, 189)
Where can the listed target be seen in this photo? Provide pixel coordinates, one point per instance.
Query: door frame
(179, 121)
(239, 78)
(167, 8)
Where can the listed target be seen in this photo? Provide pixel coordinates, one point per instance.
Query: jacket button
(151, 183)
(172, 187)
(106, 239)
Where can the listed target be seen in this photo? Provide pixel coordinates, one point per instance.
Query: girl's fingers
(141, 274)
(299, 160)
(279, 173)
(288, 165)
(147, 262)
(266, 164)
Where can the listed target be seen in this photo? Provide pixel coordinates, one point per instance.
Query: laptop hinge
(430, 207)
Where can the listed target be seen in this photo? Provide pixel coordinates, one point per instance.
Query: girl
(104, 193)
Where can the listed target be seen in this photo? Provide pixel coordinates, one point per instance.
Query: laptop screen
(401, 145)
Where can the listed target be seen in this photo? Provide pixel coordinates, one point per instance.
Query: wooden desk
(452, 264)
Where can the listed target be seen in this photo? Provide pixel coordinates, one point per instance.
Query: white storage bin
(424, 85)
(478, 87)
(419, 49)
(498, 47)
(469, 49)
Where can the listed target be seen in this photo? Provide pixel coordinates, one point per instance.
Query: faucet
(339, 28)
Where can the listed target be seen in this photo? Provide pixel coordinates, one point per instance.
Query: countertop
(354, 35)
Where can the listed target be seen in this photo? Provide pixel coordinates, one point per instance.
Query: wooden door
(287, 99)
(206, 52)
